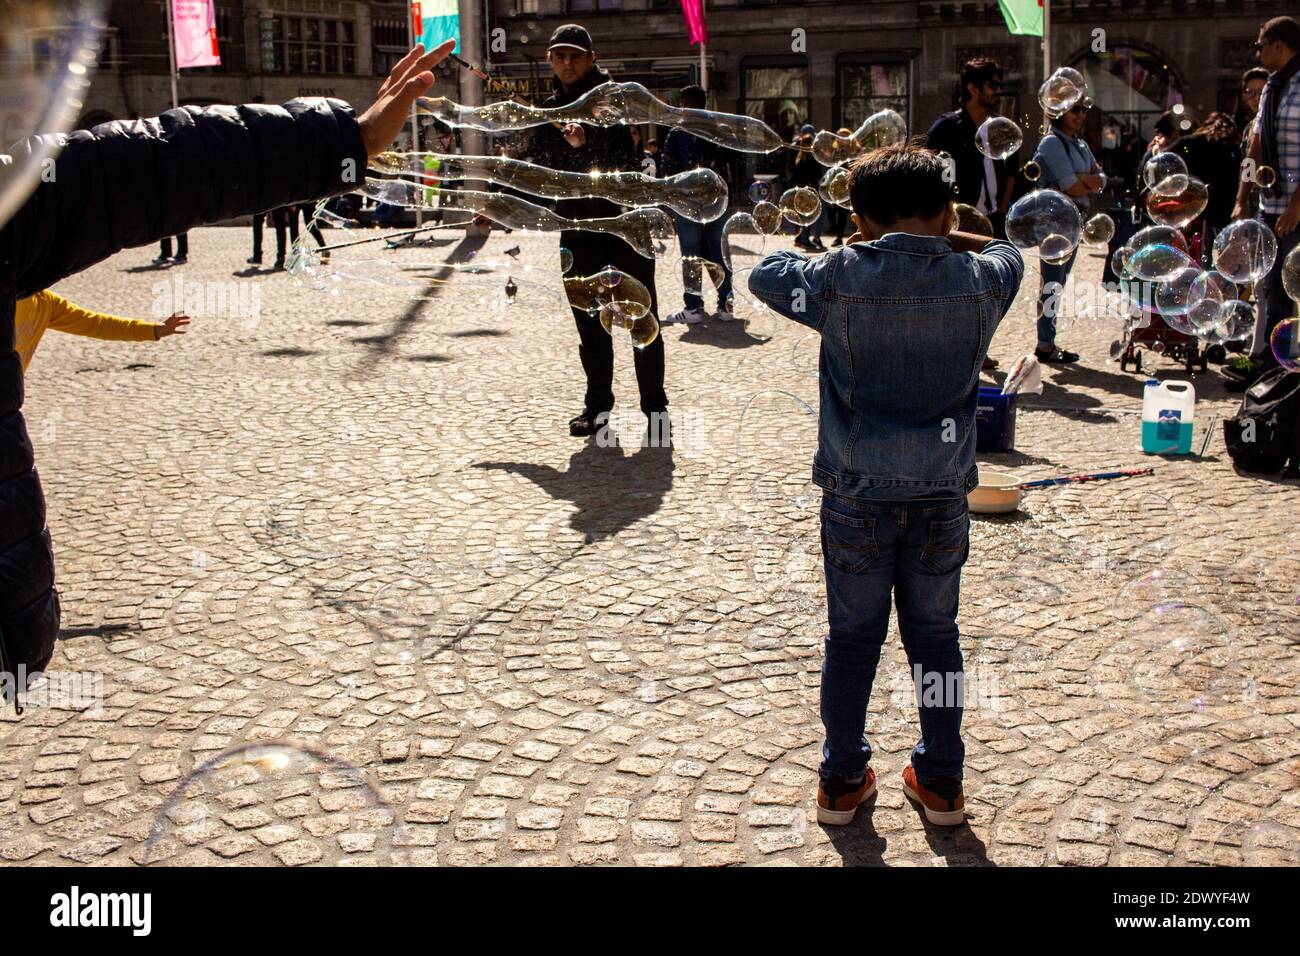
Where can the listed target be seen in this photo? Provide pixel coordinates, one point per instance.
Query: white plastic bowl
(998, 493)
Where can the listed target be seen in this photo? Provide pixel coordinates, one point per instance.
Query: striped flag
(434, 21)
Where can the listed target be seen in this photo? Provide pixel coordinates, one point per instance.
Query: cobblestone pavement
(357, 521)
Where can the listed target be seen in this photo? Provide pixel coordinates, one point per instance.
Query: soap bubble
(742, 242)
(1264, 176)
(1174, 294)
(1059, 93)
(640, 328)
(592, 293)
(306, 805)
(1291, 274)
(998, 137)
(1031, 171)
(1184, 653)
(1098, 231)
(759, 191)
(834, 186)
(1177, 208)
(1210, 290)
(767, 217)
(1269, 843)
(1160, 167)
(566, 260)
(884, 128)
(1236, 323)
(1285, 343)
(1156, 262)
(970, 219)
(1164, 235)
(800, 205)
(1042, 215)
(1073, 75)
(1245, 250)
(1119, 261)
(609, 277)
(49, 51)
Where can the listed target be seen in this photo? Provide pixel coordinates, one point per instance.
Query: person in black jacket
(129, 183)
(580, 148)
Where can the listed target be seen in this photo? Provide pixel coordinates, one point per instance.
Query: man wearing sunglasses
(1275, 143)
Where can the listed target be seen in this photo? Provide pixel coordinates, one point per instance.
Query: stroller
(1148, 330)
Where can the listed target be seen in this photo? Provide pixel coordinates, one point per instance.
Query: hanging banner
(435, 21)
(1023, 17)
(697, 30)
(194, 26)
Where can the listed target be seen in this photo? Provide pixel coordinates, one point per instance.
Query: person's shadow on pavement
(611, 489)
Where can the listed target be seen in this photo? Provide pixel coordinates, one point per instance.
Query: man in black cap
(582, 148)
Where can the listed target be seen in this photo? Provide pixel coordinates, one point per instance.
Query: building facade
(826, 63)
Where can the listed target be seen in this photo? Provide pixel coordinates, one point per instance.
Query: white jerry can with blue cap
(1168, 411)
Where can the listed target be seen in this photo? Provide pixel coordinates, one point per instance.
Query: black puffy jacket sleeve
(130, 183)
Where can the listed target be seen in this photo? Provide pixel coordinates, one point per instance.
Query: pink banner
(194, 24)
(693, 12)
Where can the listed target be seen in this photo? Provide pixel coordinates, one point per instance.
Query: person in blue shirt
(1067, 165)
(906, 311)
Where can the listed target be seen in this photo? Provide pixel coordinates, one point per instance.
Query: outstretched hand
(409, 79)
(174, 324)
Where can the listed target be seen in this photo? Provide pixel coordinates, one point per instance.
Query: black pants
(182, 246)
(591, 253)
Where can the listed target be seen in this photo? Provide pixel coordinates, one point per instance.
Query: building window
(585, 6)
(390, 42)
(778, 95)
(867, 87)
(510, 8)
(292, 44)
(1131, 86)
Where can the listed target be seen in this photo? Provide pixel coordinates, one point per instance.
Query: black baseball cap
(571, 35)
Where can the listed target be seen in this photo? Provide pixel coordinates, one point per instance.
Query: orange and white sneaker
(944, 803)
(838, 800)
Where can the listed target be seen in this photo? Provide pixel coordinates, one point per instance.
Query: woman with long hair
(1213, 155)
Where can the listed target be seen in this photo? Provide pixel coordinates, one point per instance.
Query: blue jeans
(703, 239)
(1052, 274)
(914, 549)
(1273, 303)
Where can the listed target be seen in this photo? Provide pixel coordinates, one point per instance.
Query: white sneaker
(687, 316)
(724, 316)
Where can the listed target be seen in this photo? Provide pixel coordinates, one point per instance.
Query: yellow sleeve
(66, 317)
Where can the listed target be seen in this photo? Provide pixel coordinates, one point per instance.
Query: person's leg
(259, 220)
(595, 346)
(690, 239)
(815, 230)
(649, 361)
(279, 220)
(1273, 304)
(713, 252)
(926, 592)
(858, 540)
(1051, 297)
(164, 248)
(292, 213)
(183, 246)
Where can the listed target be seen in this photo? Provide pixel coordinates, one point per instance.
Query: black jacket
(954, 133)
(129, 183)
(607, 149)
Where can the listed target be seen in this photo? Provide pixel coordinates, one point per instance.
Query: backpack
(1265, 433)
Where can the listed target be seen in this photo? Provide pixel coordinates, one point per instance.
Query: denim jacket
(905, 324)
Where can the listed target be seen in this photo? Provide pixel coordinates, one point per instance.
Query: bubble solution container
(1167, 412)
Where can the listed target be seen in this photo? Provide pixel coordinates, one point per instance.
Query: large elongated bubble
(609, 105)
(885, 128)
(699, 195)
(639, 228)
(1157, 262)
(41, 94)
(834, 187)
(800, 205)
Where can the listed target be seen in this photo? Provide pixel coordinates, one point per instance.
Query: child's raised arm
(792, 285)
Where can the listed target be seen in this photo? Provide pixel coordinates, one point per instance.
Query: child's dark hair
(898, 182)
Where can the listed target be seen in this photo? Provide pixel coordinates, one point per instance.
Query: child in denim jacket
(906, 312)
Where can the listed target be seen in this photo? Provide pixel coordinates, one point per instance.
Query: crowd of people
(894, 473)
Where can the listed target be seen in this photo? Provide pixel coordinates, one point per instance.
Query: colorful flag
(194, 27)
(696, 29)
(1024, 17)
(436, 21)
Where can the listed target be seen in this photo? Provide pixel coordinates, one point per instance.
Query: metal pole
(1047, 50)
(171, 53)
(704, 68)
(415, 119)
